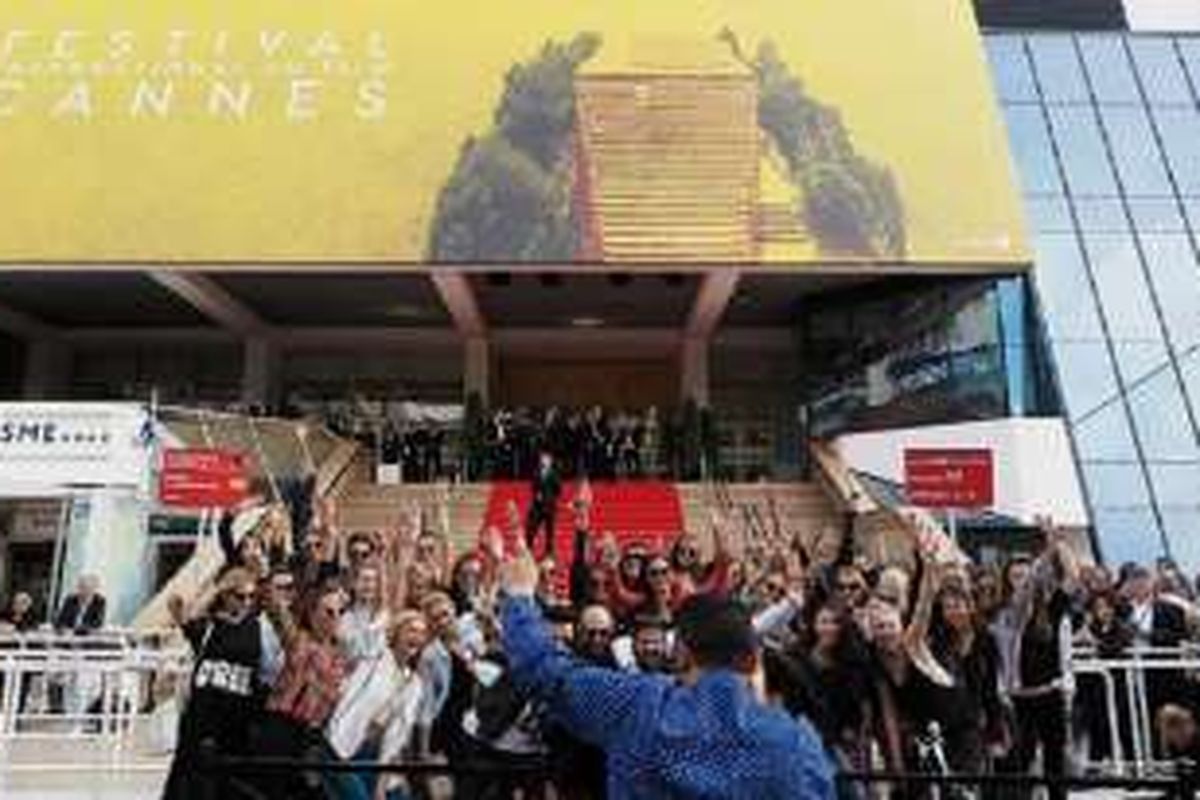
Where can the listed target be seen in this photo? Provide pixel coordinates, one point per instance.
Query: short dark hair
(716, 630)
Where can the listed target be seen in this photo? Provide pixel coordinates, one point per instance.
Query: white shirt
(1142, 617)
(365, 694)
(362, 632)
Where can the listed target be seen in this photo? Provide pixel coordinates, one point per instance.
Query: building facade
(1105, 129)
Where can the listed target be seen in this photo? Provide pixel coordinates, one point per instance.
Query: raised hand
(519, 573)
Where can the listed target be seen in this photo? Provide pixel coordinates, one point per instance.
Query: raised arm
(600, 705)
(916, 635)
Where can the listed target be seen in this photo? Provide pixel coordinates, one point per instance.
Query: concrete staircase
(367, 506)
(804, 508)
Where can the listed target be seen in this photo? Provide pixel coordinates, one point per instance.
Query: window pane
(1031, 149)
(1155, 216)
(1049, 214)
(1189, 47)
(1158, 66)
(1180, 130)
(1108, 69)
(1010, 68)
(1084, 367)
(1058, 68)
(1082, 151)
(1101, 215)
(1176, 278)
(1132, 322)
(1177, 488)
(1189, 365)
(1192, 207)
(1181, 528)
(1121, 513)
(1103, 435)
(1161, 420)
(1134, 150)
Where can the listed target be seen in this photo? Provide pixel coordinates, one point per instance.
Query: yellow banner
(826, 132)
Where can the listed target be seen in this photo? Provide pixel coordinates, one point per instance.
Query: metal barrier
(104, 682)
(1124, 682)
(233, 777)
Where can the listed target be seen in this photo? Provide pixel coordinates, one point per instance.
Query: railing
(105, 682)
(110, 678)
(235, 778)
(844, 486)
(1127, 703)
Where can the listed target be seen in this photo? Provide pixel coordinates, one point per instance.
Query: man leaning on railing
(81, 613)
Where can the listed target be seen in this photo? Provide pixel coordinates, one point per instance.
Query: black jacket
(71, 618)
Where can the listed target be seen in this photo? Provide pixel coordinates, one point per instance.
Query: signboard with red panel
(203, 478)
(949, 477)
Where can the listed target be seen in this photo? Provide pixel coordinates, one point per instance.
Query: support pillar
(477, 372)
(260, 367)
(694, 370)
(47, 370)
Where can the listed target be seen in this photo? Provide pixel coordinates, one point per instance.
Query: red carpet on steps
(641, 511)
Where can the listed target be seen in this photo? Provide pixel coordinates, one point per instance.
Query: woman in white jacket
(378, 708)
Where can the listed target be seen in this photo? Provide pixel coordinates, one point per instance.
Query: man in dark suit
(84, 611)
(81, 613)
(544, 505)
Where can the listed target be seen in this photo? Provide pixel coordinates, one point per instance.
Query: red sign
(949, 478)
(203, 478)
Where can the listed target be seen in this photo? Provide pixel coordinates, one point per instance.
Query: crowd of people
(597, 443)
(635, 671)
(387, 646)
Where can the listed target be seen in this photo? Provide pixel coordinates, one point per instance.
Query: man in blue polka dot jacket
(705, 736)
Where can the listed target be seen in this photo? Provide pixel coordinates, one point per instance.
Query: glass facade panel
(1049, 214)
(1152, 215)
(1189, 50)
(1126, 307)
(1189, 367)
(1180, 131)
(1030, 143)
(1057, 67)
(1084, 368)
(1103, 435)
(1101, 215)
(1128, 311)
(1156, 62)
(1192, 209)
(1121, 512)
(918, 354)
(1108, 69)
(1010, 69)
(1161, 419)
(1177, 488)
(1135, 152)
(1176, 277)
(1082, 151)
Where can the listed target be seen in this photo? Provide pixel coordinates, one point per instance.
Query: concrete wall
(1035, 471)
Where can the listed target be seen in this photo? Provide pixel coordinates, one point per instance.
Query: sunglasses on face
(244, 597)
(596, 633)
